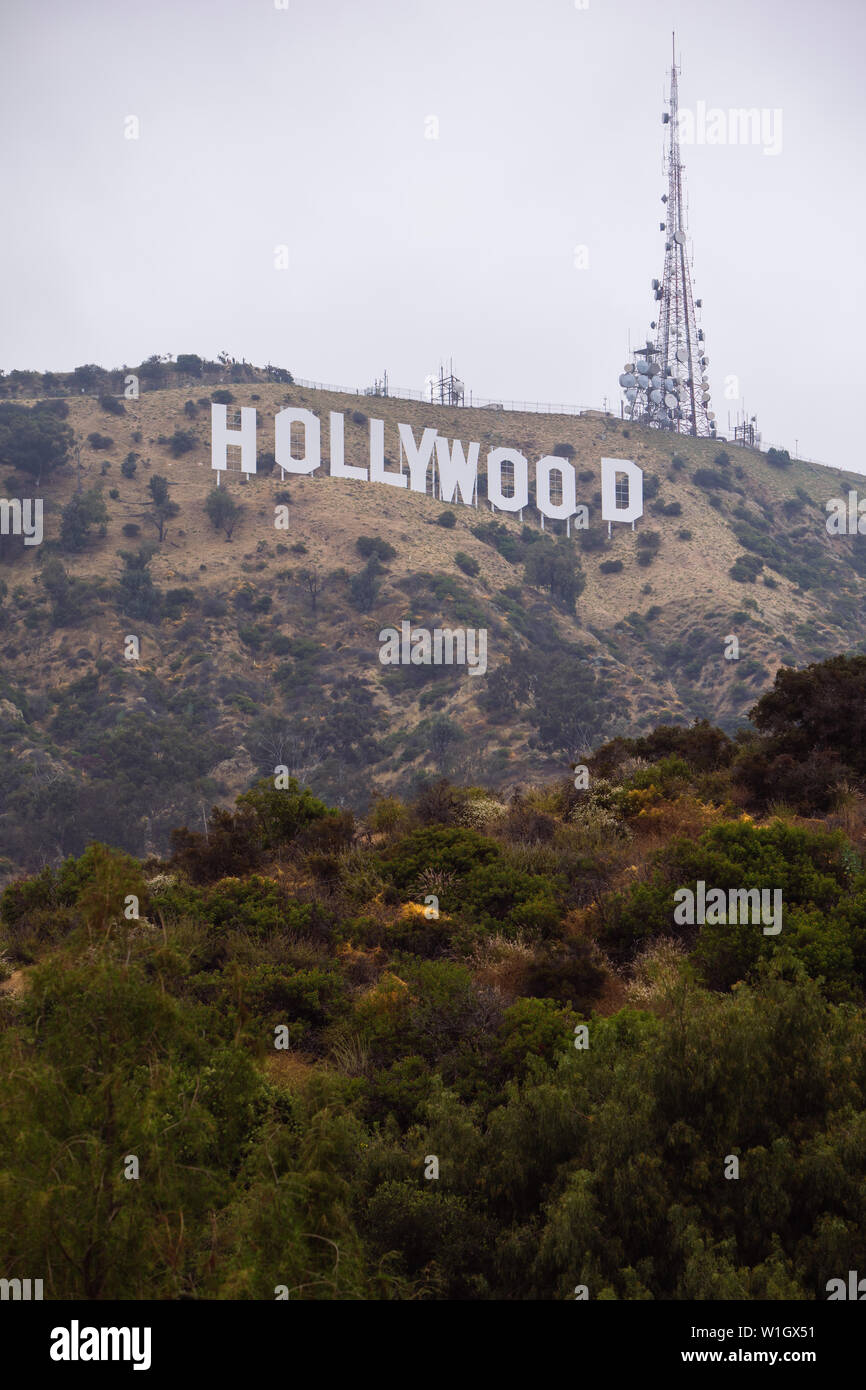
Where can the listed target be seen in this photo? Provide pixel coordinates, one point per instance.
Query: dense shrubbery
(779, 458)
(299, 1015)
(746, 568)
(374, 547)
(709, 478)
(554, 566)
(34, 439)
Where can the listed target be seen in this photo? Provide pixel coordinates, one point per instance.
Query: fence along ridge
(405, 393)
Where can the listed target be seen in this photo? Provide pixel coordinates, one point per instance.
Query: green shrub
(709, 478)
(535, 1028)
(467, 564)
(746, 569)
(375, 547)
(779, 458)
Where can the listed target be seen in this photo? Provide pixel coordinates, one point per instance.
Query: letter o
(312, 458)
(495, 460)
(557, 511)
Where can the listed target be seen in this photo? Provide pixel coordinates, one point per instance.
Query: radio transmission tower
(666, 385)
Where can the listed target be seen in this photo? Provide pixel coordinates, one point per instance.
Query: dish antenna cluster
(666, 385)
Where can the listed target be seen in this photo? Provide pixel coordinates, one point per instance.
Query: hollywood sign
(454, 467)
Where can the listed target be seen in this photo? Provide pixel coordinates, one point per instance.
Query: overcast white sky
(305, 126)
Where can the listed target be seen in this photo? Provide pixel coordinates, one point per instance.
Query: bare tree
(313, 581)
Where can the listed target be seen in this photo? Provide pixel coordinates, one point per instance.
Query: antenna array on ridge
(666, 385)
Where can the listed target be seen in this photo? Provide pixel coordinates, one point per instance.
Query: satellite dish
(642, 367)
(630, 394)
(670, 400)
(626, 379)
(679, 238)
(655, 369)
(711, 415)
(669, 383)
(656, 397)
(682, 355)
(629, 367)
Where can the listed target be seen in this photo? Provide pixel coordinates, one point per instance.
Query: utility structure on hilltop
(446, 389)
(666, 385)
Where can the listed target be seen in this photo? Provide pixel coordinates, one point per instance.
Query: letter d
(609, 509)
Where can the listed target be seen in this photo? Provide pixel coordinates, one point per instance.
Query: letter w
(456, 471)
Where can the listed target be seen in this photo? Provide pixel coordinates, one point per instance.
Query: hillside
(456, 1024)
(468, 1049)
(242, 668)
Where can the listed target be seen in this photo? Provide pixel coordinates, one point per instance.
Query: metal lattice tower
(666, 385)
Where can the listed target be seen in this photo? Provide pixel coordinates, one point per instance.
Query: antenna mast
(666, 387)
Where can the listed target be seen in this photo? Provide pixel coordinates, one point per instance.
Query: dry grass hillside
(241, 670)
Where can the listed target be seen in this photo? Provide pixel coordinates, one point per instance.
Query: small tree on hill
(163, 507)
(138, 596)
(83, 510)
(223, 510)
(34, 441)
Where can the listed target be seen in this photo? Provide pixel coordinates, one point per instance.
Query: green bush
(709, 478)
(374, 547)
(467, 564)
(746, 569)
(447, 850)
(779, 458)
(555, 566)
(83, 511)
